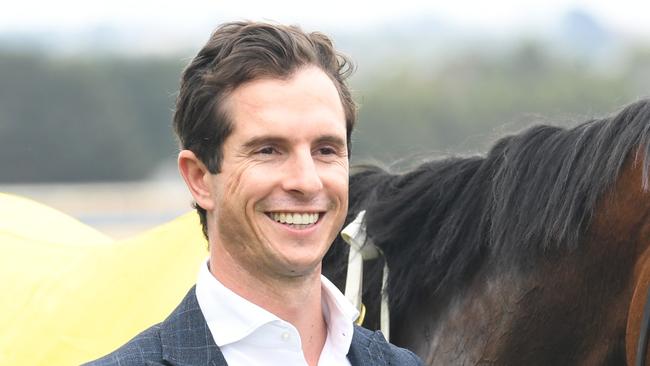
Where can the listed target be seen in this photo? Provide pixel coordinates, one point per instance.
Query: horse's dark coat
(532, 196)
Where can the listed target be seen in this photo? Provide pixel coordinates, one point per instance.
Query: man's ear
(197, 178)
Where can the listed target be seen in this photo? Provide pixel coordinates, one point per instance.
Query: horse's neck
(555, 314)
(465, 324)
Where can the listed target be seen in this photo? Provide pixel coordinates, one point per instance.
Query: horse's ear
(197, 178)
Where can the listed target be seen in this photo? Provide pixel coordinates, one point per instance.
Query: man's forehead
(307, 100)
(308, 80)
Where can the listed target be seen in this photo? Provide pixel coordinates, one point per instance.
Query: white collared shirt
(249, 335)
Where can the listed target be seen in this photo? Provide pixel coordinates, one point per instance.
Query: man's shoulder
(373, 346)
(183, 337)
(143, 349)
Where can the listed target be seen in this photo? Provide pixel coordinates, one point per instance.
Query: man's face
(282, 194)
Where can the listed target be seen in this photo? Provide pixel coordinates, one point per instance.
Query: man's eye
(327, 151)
(266, 150)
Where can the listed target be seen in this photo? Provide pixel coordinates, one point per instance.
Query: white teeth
(295, 218)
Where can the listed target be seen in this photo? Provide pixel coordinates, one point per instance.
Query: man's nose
(301, 175)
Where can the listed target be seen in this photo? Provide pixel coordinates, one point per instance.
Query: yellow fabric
(69, 294)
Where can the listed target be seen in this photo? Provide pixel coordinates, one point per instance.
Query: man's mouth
(301, 219)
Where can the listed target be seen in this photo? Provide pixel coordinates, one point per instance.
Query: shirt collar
(339, 314)
(231, 318)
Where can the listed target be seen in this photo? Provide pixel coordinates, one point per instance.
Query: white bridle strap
(362, 249)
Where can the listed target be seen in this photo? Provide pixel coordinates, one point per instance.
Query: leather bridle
(363, 249)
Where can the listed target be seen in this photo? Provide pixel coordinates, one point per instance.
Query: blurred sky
(628, 16)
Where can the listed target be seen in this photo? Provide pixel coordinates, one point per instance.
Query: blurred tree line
(93, 119)
(84, 119)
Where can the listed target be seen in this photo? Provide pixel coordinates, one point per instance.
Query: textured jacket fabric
(184, 339)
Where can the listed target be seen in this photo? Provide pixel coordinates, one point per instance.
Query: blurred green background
(100, 110)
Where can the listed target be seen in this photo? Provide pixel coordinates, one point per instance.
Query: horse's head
(636, 344)
(622, 221)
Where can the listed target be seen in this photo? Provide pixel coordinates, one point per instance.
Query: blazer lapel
(185, 336)
(365, 349)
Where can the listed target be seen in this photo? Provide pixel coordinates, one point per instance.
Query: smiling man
(264, 118)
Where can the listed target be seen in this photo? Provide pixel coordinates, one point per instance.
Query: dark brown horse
(531, 255)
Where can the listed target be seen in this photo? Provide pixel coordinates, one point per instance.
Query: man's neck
(296, 300)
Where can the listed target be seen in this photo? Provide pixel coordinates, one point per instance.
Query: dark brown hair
(239, 52)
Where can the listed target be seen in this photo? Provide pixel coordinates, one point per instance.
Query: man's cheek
(243, 176)
(233, 229)
(232, 188)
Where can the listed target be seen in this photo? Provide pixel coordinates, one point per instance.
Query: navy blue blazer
(184, 339)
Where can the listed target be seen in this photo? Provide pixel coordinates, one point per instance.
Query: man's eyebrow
(277, 140)
(263, 140)
(331, 139)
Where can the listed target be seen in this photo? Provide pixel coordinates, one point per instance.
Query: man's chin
(302, 269)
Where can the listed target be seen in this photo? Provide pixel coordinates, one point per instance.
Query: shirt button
(285, 336)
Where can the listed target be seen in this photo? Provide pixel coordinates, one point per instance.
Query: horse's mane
(533, 193)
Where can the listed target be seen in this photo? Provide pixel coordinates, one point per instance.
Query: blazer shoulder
(143, 349)
(377, 346)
